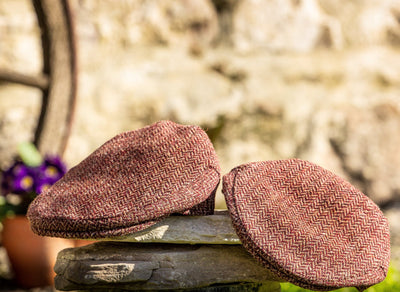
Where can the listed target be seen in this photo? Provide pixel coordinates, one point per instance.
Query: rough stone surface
(175, 23)
(149, 266)
(366, 23)
(112, 272)
(278, 25)
(213, 229)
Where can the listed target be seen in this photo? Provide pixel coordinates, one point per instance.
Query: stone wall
(313, 79)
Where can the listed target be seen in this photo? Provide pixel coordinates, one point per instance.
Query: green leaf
(390, 284)
(29, 154)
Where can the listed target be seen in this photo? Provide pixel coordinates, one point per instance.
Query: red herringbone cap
(130, 183)
(308, 225)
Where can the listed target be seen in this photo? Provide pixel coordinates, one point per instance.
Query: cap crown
(308, 225)
(131, 182)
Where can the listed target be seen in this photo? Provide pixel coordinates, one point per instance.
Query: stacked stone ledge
(198, 253)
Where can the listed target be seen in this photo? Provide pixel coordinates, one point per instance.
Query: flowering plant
(27, 177)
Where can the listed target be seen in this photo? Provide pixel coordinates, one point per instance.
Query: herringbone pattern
(131, 182)
(302, 222)
(308, 225)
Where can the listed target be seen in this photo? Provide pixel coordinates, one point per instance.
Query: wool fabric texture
(131, 182)
(308, 225)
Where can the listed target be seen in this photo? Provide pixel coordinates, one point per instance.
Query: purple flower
(52, 170)
(42, 185)
(23, 183)
(21, 179)
(26, 180)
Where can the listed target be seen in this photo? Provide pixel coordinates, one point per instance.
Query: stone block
(214, 229)
(284, 26)
(150, 266)
(179, 253)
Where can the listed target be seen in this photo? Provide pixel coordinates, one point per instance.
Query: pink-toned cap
(308, 225)
(130, 183)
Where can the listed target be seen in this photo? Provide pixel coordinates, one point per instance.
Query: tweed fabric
(130, 183)
(308, 225)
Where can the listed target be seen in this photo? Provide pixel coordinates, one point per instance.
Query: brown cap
(130, 183)
(308, 225)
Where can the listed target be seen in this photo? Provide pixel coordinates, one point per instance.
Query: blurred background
(312, 79)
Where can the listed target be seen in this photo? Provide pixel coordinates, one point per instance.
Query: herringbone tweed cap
(308, 225)
(130, 183)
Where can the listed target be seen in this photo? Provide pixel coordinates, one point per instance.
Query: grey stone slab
(213, 229)
(238, 287)
(92, 272)
(151, 266)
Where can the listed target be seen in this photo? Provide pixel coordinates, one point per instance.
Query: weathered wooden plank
(150, 266)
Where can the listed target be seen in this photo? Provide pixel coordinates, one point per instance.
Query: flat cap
(131, 182)
(308, 225)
